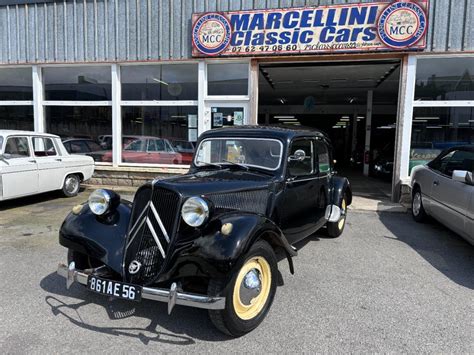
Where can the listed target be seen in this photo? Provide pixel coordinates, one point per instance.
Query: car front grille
(151, 232)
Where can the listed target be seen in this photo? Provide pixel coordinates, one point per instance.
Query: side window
(78, 147)
(458, 160)
(43, 147)
(16, 147)
(305, 166)
(324, 166)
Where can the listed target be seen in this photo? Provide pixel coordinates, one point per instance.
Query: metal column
(368, 128)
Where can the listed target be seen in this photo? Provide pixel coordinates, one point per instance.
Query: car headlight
(195, 211)
(100, 201)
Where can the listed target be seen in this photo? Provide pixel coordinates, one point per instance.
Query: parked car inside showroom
(148, 150)
(444, 189)
(85, 147)
(32, 163)
(210, 238)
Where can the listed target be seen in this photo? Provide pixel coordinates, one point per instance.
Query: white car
(32, 163)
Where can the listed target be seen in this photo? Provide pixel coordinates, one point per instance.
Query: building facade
(130, 77)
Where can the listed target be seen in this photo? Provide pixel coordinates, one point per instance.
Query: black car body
(254, 213)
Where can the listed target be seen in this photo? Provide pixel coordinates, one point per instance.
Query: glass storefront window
(160, 82)
(17, 117)
(437, 128)
(227, 79)
(16, 84)
(78, 83)
(445, 79)
(83, 129)
(159, 135)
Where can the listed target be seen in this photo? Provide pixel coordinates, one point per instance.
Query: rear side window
(322, 158)
(43, 147)
(16, 147)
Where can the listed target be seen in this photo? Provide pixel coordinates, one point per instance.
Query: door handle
(436, 183)
(58, 159)
(32, 161)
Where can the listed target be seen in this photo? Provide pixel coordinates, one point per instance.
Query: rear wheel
(335, 229)
(71, 185)
(249, 294)
(417, 209)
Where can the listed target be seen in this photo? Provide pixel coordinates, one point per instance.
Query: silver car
(444, 189)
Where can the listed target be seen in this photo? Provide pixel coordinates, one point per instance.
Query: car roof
(12, 132)
(281, 132)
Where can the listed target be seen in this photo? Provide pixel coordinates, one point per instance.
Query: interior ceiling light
(433, 127)
(345, 119)
(360, 117)
(284, 117)
(420, 121)
(426, 118)
(282, 100)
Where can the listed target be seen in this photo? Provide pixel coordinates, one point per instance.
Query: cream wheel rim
(252, 288)
(343, 214)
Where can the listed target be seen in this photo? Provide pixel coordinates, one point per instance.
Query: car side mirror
(299, 155)
(463, 176)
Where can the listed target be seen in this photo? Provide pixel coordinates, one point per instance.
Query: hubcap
(71, 184)
(343, 214)
(252, 288)
(416, 204)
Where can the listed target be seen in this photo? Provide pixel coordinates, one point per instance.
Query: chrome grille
(248, 201)
(151, 234)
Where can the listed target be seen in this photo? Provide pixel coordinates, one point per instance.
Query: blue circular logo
(211, 33)
(402, 24)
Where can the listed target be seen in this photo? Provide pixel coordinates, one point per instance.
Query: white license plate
(114, 288)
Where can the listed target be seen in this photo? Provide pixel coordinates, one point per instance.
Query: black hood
(216, 181)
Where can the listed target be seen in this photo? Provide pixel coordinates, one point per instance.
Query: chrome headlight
(99, 201)
(195, 211)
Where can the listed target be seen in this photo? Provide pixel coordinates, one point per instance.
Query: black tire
(335, 229)
(417, 210)
(228, 320)
(71, 185)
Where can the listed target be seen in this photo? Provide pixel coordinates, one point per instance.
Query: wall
(131, 30)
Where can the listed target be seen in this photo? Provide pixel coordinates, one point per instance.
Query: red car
(148, 150)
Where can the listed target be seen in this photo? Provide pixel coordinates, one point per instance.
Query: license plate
(114, 288)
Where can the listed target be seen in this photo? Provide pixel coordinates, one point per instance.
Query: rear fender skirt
(101, 238)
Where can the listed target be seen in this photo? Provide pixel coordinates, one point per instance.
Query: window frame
(314, 171)
(43, 138)
(30, 150)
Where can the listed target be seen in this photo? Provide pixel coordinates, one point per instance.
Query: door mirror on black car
(299, 155)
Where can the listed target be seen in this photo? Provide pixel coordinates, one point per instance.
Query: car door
(299, 212)
(50, 165)
(450, 198)
(161, 152)
(19, 172)
(323, 164)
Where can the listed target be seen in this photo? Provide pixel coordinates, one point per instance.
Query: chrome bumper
(171, 296)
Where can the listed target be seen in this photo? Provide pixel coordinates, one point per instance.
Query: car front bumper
(172, 296)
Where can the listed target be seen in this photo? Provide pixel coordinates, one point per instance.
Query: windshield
(252, 152)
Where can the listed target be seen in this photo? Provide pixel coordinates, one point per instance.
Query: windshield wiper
(236, 164)
(208, 164)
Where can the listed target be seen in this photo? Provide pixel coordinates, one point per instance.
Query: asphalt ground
(387, 284)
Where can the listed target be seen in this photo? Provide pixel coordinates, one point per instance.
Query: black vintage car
(210, 238)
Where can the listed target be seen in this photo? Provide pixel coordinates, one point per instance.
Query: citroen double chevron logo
(144, 218)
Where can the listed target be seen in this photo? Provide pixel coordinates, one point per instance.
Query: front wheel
(249, 294)
(335, 229)
(417, 209)
(71, 185)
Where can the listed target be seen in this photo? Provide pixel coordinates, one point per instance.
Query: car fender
(245, 230)
(338, 187)
(101, 238)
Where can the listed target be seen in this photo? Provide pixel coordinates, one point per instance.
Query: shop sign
(378, 26)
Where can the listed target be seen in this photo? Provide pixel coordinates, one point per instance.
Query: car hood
(216, 181)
